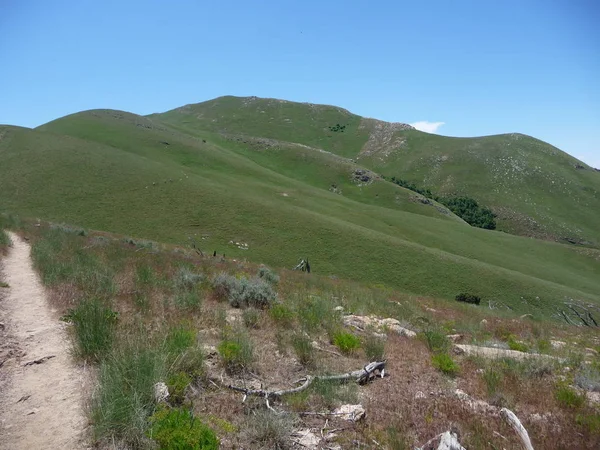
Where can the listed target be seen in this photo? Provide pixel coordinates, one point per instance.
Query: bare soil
(41, 405)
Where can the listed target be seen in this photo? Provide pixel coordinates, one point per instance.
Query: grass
(348, 343)
(568, 397)
(94, 329)
(242, 188)
(237, 352)
(445, 364)
(178, 429)
(304, 349)
(374, 347)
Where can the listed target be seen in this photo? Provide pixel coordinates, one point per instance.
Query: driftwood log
(510, 418)
(361, 376)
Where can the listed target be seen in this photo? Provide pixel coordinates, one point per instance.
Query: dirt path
(41, 405)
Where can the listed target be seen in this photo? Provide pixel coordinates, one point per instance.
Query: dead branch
(510, 418)
(39, 360)
(361, 376)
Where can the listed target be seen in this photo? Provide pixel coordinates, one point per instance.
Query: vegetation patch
(568, 397)
(348, 343)
(178, 429)
(236, 352)
(468, 298)
(445, 364)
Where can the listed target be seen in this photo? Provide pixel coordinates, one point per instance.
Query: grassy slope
(106, 182)
(534, 188)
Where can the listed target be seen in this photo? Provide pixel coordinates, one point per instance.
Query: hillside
(534, 188)
(271, 201)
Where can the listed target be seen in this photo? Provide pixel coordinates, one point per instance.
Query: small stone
(420, 395)
(557, 344)
(483, 322)
(353, 413)
(338, 308)
(454, 337)
(161, 392)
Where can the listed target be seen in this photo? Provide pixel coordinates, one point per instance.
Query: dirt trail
(41, 405)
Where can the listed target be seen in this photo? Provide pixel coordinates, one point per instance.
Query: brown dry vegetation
(407, 408)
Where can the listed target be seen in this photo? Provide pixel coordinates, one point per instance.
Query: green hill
(178, 177)
(534, 188)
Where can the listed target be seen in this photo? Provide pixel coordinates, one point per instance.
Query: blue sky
(480, 67)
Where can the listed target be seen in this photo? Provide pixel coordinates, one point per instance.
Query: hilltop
(534, 188)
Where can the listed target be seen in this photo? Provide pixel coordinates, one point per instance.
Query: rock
(483, 322)
(161, 392)
(557, 344)
(444, 441)
(353, 413)
(338, 308)
(210, 351)
(381, 325)
(454, 337)
(477, 406)
(420, 395)
(591, 351)
(306, 439)
(495, 353)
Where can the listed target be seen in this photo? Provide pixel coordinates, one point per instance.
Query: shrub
(177, 384)
(445, 364)
(568, 397)
(304, 349)
(244, 292)
(178, 429)
(186, 279)
(314, 313)
(590, 421)
(468, 298)
(251, 317)
(346, 342)
(436, 341)
(68, 229)
(469, 210)
(94, 326)
(374, 347)
(513, 344)
(124, 398)
(588, 377)
(254, 292)
(236, 352)
(281, 314)
(268, 275)
(544, 346)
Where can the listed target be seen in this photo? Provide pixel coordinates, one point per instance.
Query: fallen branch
(39, 360)
(361, 376)
(510, 418)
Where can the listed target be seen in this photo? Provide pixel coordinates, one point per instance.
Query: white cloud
(428, 127)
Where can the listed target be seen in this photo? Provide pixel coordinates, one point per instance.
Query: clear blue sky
(481, 67)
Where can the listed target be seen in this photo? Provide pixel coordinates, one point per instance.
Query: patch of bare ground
(41, 402)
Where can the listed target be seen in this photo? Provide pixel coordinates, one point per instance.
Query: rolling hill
(534, 188)
(274, 192)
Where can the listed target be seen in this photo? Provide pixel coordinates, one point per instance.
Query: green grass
(178, 429)
(94, 328)
(568, 397)
(348, 343)
(445, 364)
(230, 191)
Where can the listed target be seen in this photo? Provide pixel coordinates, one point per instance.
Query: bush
(469, 210)
(236, 352)
(251, 317)
(177, 384)
(568, 397)
(304, 349)
(243, 292)
(346, 342)
(513, 344)
(178, 429)
(436, 341)
(445, 364)
(268, 275)
(588, 377)
(124, 398)
(590, 421)
(188, 300)
(374, 348)
(315, 313)
(468, 298)
(64, 228)
(94, 326)
(187, 280)
(4, 239)
(281, 314)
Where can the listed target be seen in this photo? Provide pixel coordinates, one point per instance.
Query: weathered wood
(510, 418)
(361, 376)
